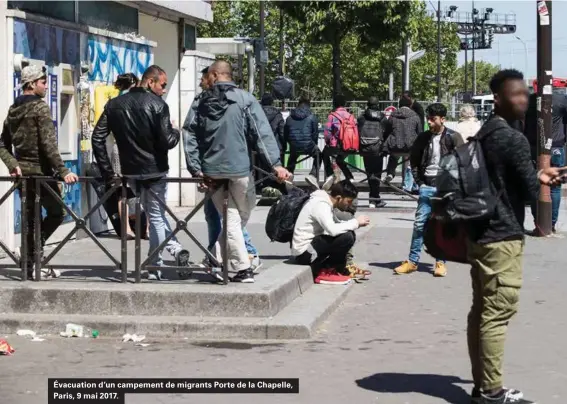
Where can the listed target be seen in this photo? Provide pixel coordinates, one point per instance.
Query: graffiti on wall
(110, 57)
(51, 44)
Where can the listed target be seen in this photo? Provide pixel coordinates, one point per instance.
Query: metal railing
(38, 187)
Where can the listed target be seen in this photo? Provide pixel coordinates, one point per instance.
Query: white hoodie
(317, 218)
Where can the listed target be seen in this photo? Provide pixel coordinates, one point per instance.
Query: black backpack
(371, 135)
(465, 191)
(282, 216)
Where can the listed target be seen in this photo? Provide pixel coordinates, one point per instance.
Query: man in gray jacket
(217, 133)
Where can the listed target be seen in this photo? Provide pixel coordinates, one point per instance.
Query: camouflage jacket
(28, 139)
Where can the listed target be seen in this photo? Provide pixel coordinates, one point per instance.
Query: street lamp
(525, 54)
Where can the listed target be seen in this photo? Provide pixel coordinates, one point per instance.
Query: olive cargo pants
(496, 280)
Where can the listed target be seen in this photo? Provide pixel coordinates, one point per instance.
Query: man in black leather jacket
(141, 125)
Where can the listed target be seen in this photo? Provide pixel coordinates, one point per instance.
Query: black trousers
(50, 223)
(374, 166)
(328, 252)
(329, 152)
(313, 151)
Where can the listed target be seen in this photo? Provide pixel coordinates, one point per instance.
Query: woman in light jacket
(468, 124)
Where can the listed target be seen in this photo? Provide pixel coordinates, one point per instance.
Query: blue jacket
(219, 135)
(301, 129)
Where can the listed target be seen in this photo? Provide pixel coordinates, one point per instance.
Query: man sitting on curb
(425, 155)
(321, 240)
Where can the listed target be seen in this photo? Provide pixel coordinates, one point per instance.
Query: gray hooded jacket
(222, 127)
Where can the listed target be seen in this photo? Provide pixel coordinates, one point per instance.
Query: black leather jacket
(141, 125)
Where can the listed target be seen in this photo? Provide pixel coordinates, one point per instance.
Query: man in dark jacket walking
(496, 245)
(425, 155)
(141, 125)
(301, 131)
(371, 128)
(275, 118)
(404, 126)
(558, 132)
(416, 107)
(28, 146)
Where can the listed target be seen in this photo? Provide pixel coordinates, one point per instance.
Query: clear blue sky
(509, 51)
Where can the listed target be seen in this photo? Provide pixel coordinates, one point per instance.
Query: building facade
(84, 46)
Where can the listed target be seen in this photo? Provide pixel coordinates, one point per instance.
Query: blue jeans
(557, 160)
(214, 226)
(159, 226)
(409, 184)
(422, 213)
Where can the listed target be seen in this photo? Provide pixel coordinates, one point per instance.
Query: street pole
(282, 50)
(525, 54)
(439, 51)
(407, 51)
(544, 91)
(466, 64)
(474, 38)
(262, 38)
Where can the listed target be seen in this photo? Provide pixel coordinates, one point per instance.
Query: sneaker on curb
(329, 181)
(476, 395)
(244, 276)
(407, 267)
(388, 178)
(331, 277)
(154, 275)
(255, 263)
(357, 272)
(508, 396)
(311, 180)
(182, 258)
(379, 204)
(46, 273)
(215, 273)
(440, 269)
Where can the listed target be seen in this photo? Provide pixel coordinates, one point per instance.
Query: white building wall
(6, 80)
(166, 55)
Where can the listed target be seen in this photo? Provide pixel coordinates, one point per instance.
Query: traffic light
(490, 37)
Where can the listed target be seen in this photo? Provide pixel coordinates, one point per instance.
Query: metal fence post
(37, 229)
(138, 245)
(24, 230)
(123, 231)
(225, 261)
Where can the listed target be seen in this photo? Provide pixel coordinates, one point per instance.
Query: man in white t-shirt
(323, 241)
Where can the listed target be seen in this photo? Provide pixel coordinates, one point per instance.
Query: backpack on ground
(347, 137)
(371, 136)
(465, 194)
(282, 216)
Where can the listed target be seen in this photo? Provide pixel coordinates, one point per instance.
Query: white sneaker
(328, 183)
(47, 273)
(311, 180)
(255, 264)
(388, 178)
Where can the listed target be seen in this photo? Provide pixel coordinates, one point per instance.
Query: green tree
(484, 72)
(331, 22)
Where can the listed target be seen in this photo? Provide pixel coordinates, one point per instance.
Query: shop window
(61, 10)
(190, 37)
(109, 15)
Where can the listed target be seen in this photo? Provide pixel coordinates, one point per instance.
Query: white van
(484, 104)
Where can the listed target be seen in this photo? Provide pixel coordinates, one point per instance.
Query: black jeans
(374, 166)
(329, 152)
(50, 223)
(313, 151)
(328, 252)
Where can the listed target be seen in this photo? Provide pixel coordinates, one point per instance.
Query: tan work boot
(407, 267)
(440, 269)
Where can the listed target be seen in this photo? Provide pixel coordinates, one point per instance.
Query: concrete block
(299, 320)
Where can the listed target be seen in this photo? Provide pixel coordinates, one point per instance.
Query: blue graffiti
(111, 57)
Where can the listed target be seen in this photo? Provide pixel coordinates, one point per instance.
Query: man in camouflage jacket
(28, 146)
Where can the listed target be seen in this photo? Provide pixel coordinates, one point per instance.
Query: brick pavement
(395, 340)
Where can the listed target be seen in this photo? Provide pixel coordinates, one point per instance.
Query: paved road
(395, 340)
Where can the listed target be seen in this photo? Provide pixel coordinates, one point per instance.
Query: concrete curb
(299, 320)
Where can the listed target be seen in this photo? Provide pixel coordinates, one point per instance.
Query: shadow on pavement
(440, 386)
